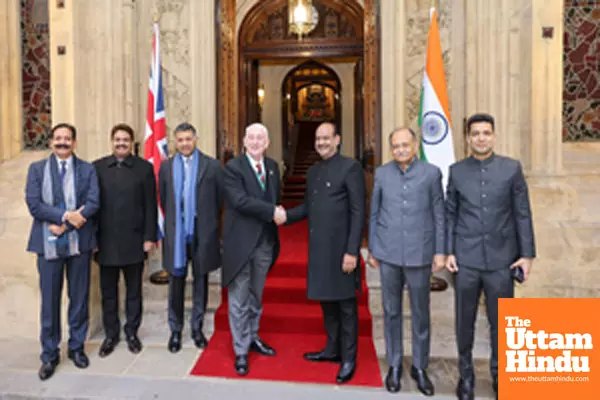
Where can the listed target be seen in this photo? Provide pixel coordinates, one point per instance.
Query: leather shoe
(199, 339)
(423, 382)
(392, 380)
(261, 347)
(108, 346)
(241, 365)
(133, 344)
(175, 342)
(465, 389)
(47, 369)
(346, 372)
(79, 358)
(319, 356)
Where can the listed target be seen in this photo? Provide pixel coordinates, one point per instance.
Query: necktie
(63, 170)
(261, 176)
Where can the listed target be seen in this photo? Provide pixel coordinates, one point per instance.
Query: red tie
(260, 174)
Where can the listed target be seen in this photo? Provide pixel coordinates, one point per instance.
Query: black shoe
(465, 389)
(108, 346)
(346, 372)
(261, 347)
(319, 356)
(79, 358)
(199, 339)
(392, 380)
(47, 369)
(241, 365)
(133, 344)
(175, 342)
(423, 383)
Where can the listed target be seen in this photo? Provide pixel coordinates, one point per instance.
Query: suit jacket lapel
(271, 184)
(201, 168)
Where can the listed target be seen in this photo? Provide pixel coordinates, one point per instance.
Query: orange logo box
(548, 349)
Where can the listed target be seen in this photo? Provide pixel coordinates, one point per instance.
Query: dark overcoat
(334, 203)
(207, 248)
(128, 210)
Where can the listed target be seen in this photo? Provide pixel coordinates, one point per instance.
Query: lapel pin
(328, 184)
(270, 172)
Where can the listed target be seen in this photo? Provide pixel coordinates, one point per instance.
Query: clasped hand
(280, 215)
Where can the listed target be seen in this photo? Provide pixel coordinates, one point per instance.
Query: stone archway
(233, 30)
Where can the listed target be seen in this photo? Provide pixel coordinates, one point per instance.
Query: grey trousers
(245, 297)
(393, 278)
(469, 284)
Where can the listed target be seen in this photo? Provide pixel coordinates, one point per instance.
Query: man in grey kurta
(335, 206)
(489, 233)
(406, 239)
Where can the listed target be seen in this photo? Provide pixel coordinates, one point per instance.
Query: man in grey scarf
(62, 195)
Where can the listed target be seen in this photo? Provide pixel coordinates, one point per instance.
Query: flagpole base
(160, 277)
(438, 284)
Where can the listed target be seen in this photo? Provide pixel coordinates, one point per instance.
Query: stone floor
(125, 375)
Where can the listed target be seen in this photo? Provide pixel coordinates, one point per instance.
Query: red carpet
(293, 325)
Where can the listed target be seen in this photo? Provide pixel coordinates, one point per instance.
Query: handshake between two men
(280, 215)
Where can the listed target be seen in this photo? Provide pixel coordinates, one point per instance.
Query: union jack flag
(155, 139)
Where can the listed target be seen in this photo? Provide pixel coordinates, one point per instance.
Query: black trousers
(341, 325)
(109, 286)
(470, 283)
(177, 298)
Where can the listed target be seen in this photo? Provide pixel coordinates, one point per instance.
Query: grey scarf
(70, 204)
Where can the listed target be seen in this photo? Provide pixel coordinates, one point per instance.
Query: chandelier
(302, 17)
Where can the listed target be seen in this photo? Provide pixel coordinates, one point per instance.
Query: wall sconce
(302, 17)
(261, 94)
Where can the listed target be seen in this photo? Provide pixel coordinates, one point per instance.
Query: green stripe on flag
(420, 122)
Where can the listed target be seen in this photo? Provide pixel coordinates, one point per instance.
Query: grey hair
(256, 125)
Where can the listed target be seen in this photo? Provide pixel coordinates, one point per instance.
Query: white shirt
(253, 163)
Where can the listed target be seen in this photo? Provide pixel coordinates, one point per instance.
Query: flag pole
(160, 277)
(437, 283)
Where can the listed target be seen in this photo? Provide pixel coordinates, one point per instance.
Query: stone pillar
(90, 81)
(546, 87)
(494, 68)
(204, 74)
(392, 17)
(11, 111)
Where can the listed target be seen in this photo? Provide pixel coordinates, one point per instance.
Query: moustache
(62, 146)
(121, 146)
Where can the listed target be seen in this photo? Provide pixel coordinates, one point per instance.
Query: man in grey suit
(190, 186)
(250, 240)
(489, 236)
(406, 240)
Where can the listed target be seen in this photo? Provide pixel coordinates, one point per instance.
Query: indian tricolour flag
(434, 116)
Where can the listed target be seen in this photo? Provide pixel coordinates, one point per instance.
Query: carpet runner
(292, 325)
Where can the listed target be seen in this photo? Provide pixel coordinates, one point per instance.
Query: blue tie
(63, 171)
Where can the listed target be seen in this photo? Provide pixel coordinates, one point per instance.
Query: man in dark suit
(250, 241)
(489, 234)
(335, 206)
(406, 240)
(62, 195)
(127, 224)
(190, 186)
